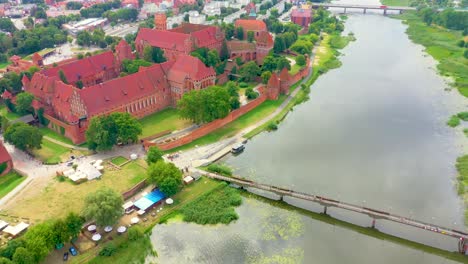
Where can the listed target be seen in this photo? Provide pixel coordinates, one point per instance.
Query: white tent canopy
(17, 229)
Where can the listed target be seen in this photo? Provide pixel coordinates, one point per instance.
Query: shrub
(135, 233)
(463, 116)
(108, 250)
(272, 126)
(61, 178)
(453, 121)
(243, 85)
(221, 169)
(251, 94)
(3, 166)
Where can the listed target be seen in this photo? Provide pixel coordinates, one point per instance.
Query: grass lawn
(9, 181)
(54, 135)
(295, 69)
(127, 252)
(441, 44)
(4, 64)
(52, 153)
(395, 2)
(9, 115)
(234, 127)
(137, 172)
(59, 198)
(119, 160)
(167, 119)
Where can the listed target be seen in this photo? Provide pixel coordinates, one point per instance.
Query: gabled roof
(82, 68)
(273, 81)
(4, 155)
(284, 74)
(105, 96)
(265, 38)
(163, 39)
(189, 67)
(236, 45)
(251, 25)
(299, 12)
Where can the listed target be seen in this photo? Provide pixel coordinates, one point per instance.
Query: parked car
(69, 164)
(73, 251)
(65, 256)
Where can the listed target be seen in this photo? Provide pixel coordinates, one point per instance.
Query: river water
(373, 133)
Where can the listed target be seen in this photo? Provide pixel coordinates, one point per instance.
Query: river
(373, 133)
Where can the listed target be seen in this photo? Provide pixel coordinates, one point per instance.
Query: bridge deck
(376, 214)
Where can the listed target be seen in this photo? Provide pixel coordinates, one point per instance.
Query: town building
(301, 17)
(151, 89)
(6, 163)
(196, 18)
(87, 25)
(256, 26)
(249, 51)
(180, 40)
(19, 65)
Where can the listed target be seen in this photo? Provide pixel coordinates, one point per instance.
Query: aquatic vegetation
(288, 255)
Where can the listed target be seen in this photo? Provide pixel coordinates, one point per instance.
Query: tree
(229, 31)
(224, 53)
(23, 103)
(465, 54)
(158, 55)
(170, 186)
(61, 232)
(23, 256)
(12, 245)
(234, 102)
(74, 223)
(63, 77)
(266, 77)
(279, 45)
(135, 233)
(154, 154)
(249, 71)
(240, 33)
(269, 64)
(5, 261)
(212, 58)
(103, 206)
(106, 131)
(282, 62)
(251, 94)
(166, 176)
(40, 240)
(206, 105)
(300, 60)
(250, 36)
(23, 136)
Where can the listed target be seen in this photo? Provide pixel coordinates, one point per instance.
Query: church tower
(160, 21)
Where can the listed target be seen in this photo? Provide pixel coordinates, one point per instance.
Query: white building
(232, 17)
(87, 24)
(196, 18)
(243, 2)
(179, 19)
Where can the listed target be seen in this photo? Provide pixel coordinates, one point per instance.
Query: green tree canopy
(24, 102)
(40, 240)
(23, 256)
(23, 136)
(279, 45)
(206, 105)
(250, 36)
(266, 76)
(106, 131)
(240, 33)
(300, 60)
(282, 62)
(103, 206)
(154, 154)
(166, 176)
(74, 223)
(224, 53)
(249, 71)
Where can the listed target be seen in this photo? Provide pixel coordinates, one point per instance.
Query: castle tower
(37, 59)
(123, 51)
(273, 87)
(160, 21)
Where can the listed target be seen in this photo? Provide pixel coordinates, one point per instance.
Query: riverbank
(441, 44)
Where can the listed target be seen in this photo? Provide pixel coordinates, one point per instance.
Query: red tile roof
(4, 155)
(301, 13)
(108, 95)
(251, 25)
(284, 74)
(273, 81)
(190, 67)
(83, 68)
(236, 45)
(7, 95)
(163, 39)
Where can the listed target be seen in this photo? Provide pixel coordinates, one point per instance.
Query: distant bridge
(400, 9)
(326, 202)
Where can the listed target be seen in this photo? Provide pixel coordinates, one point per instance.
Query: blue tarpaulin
(148, 200)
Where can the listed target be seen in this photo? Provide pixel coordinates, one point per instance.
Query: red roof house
(6, 163)
(247, 25)
(181, 40)
(149, 90)
(301, 17)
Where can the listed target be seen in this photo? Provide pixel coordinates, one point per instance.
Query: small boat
(238, 148)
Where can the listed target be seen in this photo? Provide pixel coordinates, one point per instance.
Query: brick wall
(210, 127)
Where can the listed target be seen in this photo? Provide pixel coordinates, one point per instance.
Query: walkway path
(200, 156)
(58, 142)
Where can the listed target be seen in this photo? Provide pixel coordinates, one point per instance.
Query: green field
(248, 119)
(441, 44)
(50, 152)
(119, 160)
(137, 172)
(9, 181)
(54, 135)
(9, 115)
(295, 69)
(167, 119)
(395, 2)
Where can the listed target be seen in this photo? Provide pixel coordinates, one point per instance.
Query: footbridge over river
(327, 202)
(400, 9)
